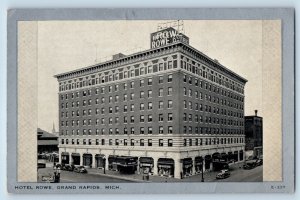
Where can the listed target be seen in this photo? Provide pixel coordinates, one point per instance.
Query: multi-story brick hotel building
(169, 110)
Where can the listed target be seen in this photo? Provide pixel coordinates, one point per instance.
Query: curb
(118, 177)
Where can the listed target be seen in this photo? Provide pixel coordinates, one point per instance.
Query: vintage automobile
(223, 174)
(249, 165)
(69, 167)
(259, 162)
(80, 169)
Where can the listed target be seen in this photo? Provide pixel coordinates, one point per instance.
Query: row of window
(161, 142)
(142, 130)
(211, 141)
(117, 75)
(207, 73)
(117, 109)
(126, 119)
(213, 99)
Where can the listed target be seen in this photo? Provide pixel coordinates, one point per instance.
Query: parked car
(249, 165)
(259, 162)
(80, 169)
(223, 174)
(69, 167)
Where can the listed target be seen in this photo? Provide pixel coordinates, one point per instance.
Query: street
(96, 176)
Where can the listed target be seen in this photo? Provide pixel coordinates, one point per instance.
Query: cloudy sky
(69, 45)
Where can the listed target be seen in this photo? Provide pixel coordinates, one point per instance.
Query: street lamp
(202, 178)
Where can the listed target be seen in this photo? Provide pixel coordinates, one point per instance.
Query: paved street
(96, 176)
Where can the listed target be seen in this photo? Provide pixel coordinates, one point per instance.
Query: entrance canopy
(165, 161)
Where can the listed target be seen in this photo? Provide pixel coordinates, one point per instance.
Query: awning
(187, 161)
(165, 166)
(165, 161)
(75, 154)
(146, 160)
(64, 153)
(198, 159)
(99, 156)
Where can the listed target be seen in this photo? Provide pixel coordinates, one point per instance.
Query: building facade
(254, 134)
(169, 110)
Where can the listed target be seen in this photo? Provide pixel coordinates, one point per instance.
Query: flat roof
(91, 68)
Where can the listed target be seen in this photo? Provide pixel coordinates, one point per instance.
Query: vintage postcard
(150, 100)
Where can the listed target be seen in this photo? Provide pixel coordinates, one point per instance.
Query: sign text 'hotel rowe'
(166, 37)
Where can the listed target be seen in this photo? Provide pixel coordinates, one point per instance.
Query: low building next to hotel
(170, 111)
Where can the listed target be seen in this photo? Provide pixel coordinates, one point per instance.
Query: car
(259, 162)
(80, 169)
(249, 165)
(223, 174)
(69, 167)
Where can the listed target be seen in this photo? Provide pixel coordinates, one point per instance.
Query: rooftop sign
(167, 36)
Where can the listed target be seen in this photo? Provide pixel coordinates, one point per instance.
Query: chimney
(255, 112)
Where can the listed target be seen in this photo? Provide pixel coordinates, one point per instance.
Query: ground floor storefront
(169, 164)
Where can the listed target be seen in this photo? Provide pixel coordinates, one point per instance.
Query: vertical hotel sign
(167, 36)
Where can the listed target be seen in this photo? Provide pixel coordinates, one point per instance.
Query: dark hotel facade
(169, 111)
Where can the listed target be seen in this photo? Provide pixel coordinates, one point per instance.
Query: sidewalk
(208, 176)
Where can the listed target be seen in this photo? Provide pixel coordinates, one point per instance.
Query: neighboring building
(169, 110)
(254, 134)
(47, 142)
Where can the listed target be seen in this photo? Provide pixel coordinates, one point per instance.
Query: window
(142, 71)
(169, 91)
(149, 81)
(160, 117)
(125, 131)
(132, 85)
(142, 106)
(170, 116)
(110, 88)
(150, 105)
(161, 142)
(125, 85)
(131, 96)
(125, 142)
(170, 78)
(142, 143)
(190, 93)
(110, 131)
(184, 142)
(110, 142)
(184, 91)
(117, 109)
(132, 142)
(149, 142)
(131, 119)
(142, 118)
(160, 66)
(125, 97)
(149, 93)
(110, 109)
(191, 142)
(150, 130)
(170, 142)
(170, 104)
(170, 129)
(116, 88)
(149, 118)
(131, 130)
(132, 107)
(125, 108)
(160, 129)
(160, 92)
(142, 82)
(160, 104)
(150, 69)
(142, 130)
(160, 79)
(125, 119)
(142, 94)
(116, 98)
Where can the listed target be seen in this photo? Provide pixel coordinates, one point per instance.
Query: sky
(67, 45)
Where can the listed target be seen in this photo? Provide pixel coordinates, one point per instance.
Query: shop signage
(166, 37)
